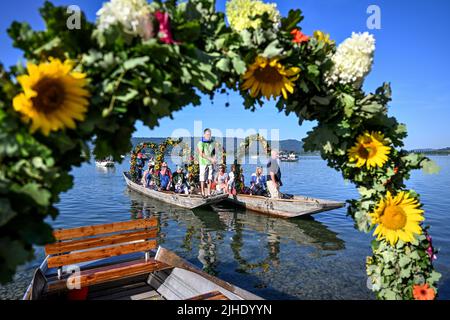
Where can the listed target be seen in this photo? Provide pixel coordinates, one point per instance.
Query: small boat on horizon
(116, 261)
(188, 201)
(292, 157)
(104, 163)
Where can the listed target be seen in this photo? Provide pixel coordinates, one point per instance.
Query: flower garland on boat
(158, 149)
(144, 61)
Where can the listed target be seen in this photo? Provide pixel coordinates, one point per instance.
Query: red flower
(423, 292)
(299, 37)
(164, 27)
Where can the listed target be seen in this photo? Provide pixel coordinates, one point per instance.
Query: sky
(412, 52)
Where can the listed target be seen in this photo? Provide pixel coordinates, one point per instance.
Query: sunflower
(53, 96)
(423, 292)
(269, 77)
(369, 150)
(397, 218)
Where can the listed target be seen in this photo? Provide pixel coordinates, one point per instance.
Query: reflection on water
(224, 235)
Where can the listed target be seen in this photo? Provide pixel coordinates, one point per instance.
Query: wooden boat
(285, 208)
(190, 201)
(116, 261)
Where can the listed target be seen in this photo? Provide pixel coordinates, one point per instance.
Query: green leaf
(135, 62)
(239, 65)
(348, 102)
(430, 167)
(223, 65)
(39, 195)
(6, 212)
(292, 20)
(272, 50)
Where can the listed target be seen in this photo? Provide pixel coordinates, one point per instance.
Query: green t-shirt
(207, 149)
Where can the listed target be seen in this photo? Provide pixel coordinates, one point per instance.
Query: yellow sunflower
(369, 150)
(53, 96)
(270, 78)
(397, 218)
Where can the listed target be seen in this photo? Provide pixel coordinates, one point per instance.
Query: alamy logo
(73, 22)
(374, 20)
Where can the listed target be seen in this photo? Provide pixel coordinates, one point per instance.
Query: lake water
(307, 258)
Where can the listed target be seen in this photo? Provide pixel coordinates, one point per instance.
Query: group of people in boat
(213, 178)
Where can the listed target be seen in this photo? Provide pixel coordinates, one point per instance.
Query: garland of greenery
(158, 149)
(151, 60)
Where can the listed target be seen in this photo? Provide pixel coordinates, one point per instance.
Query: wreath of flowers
(144, 61)
(158, 149)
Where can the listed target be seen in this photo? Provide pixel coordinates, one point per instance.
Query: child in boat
(179, 181)
(231, 184)
(165, 177)
(147, 175)
(221, 179)
(258, 183)
(140, 164)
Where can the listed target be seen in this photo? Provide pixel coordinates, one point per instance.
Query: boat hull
(285, 208)
(180, 200)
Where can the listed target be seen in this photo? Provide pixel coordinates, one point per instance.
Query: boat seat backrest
(90, 243)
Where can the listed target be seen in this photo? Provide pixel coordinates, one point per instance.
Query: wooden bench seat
(108, 273)
(84, 244)
(213, 295)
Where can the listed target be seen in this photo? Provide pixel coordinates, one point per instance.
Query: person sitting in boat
(165, 177)
(231, 183)
(221, 179)
(274, 175)
(147, 175)
(140, 164)
(258, 183)
(205, 149)
(179, 181)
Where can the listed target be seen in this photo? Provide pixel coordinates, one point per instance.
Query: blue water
(308, 258)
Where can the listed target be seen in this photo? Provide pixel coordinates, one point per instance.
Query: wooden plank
(213, 295)
(89, 243)
(110, 273)
(67, 234)
(77, 257)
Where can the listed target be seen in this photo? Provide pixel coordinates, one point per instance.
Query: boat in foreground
(284, 208)
(116, 261)
(189, 201)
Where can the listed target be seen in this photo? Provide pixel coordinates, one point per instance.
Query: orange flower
(299, 37)
(423, 292)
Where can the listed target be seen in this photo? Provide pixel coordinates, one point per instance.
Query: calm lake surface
(308, 258)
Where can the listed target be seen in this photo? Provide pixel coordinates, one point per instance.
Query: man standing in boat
(274, 175)
(205, 149)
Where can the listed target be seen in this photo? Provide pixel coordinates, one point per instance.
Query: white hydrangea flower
(132, 15)
(239, 13)
(353, 60)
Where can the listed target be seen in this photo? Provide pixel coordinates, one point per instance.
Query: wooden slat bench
(213, 295)
(84, 244)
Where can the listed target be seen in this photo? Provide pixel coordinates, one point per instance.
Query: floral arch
(144, 61)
